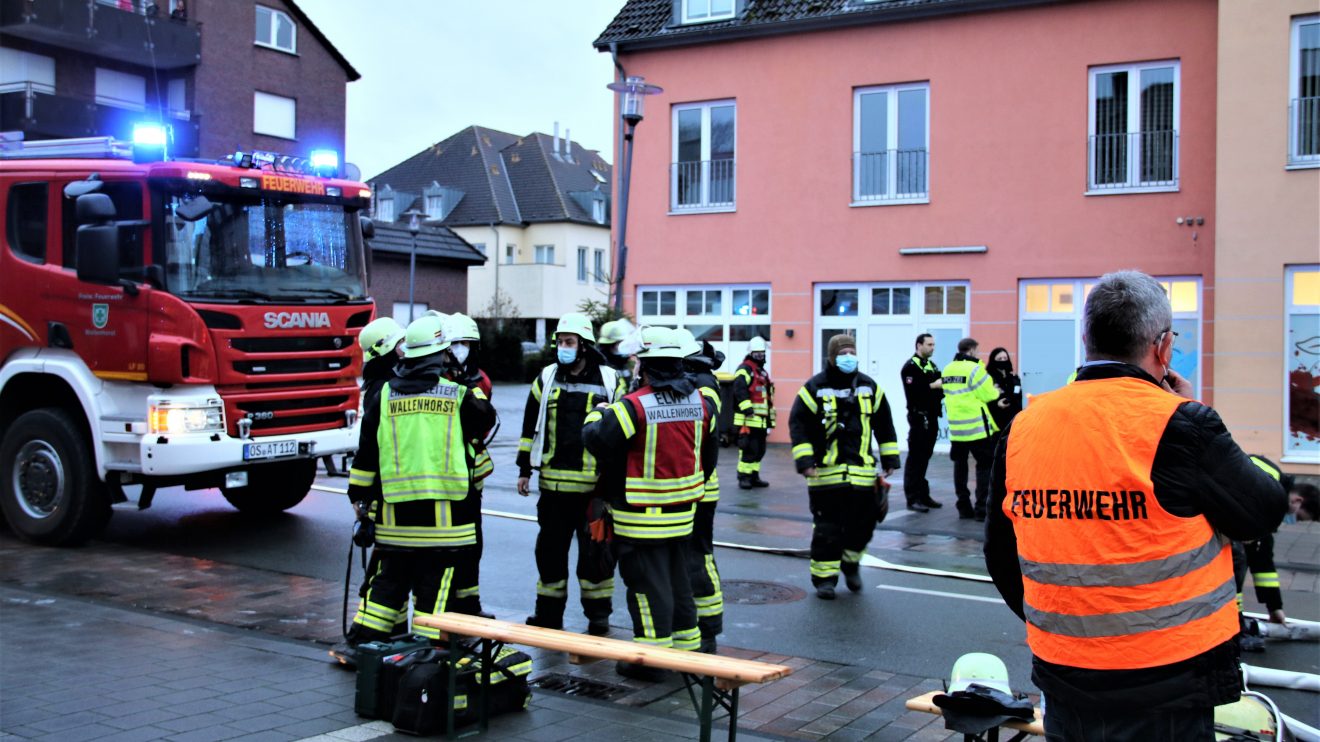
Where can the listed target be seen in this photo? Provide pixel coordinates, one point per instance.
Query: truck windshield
(269, 248)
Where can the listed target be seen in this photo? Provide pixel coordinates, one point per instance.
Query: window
(510, 250)
(385, 209)
(702, 174)
(275, 29)
(704, 11)
(26, 228)
(1134, 127)
(405, 312)
(127, 198)
(274, 115)
(1302, 316)
(121, 90)
(435, 206)
(582, 265)
(598, 211)
(950, 299)
(748, 302)
(1304, 91)
(545, 254)
(891, 143)
(894, 301)
(838, 302)
(703, 302)
(598, 267)
(658, 302)
(177, 98)
(19, 69)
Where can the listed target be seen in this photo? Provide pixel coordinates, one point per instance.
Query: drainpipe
(499, 321)
(621, 254)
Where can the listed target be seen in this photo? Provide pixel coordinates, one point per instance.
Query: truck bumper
(169, 456)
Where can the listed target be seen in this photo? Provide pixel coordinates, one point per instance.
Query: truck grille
(273, 412)
(292, 345)
(291, 366)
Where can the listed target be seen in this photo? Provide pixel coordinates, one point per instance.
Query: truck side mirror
(97, 240)
(194, 208)
(368, 227)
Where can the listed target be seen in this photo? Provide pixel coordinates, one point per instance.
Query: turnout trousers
(982, 452)
(843, 520)
(659, 593)
(704, 574)
(562, 517)
(923, 430)
(467, 596)
(750, 452)
(429, 574)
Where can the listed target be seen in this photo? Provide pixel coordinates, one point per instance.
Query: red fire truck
(168, 322)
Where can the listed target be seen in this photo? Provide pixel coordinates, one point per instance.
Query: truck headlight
(174, 418)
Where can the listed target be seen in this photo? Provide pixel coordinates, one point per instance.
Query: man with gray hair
(1113, 500)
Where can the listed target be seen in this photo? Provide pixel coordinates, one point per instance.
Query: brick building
(441, 283)
(225, 74)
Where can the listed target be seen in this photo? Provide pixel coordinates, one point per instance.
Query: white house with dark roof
(537, 206)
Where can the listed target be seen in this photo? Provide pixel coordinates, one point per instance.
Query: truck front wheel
(49, 490)
(272, 488)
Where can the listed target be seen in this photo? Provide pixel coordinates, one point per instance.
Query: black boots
(639, 672)
(825, 592)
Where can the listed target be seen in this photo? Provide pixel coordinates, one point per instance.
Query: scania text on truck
(168, 322)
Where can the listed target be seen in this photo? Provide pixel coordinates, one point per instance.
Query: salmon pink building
(893, 167)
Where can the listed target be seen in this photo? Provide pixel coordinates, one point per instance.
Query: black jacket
(916, 387)
(842, 423)
(1198, 470)
(1010, 388)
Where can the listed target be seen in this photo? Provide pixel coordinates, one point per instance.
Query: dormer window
(705, 11)
(435, 206)
(385, 205)
(598, 211)
(276, 30)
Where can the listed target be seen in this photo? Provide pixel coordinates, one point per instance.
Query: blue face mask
(846, 363)
(567, 356)
(1290, 518)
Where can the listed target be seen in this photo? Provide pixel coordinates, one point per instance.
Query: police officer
(664, 435)
(465, 368)
(559, 401)
(753, 416)
(922, 386)
(413, 447)
(833, 419)
(701, 361)
(967, 390)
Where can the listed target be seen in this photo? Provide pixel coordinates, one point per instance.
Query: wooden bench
(926, 703)
(718, 677)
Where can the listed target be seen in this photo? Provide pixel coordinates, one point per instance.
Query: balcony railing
(891, 175)
(1304, 131)
(704, 184)
(29, 108)
(1143, 159)
(145, 35)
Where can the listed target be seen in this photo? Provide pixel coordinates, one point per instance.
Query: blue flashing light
(325, 158)
(149, 142)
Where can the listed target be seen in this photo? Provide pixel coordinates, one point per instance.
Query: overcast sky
(432, 67)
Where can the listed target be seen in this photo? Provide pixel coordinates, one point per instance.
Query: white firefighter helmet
(576, 323)
(756, 345)
(661, 342)
(459, 326)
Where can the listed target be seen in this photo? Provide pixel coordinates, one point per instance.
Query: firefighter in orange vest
(753, 413)
(664, 437)
(1113, 502)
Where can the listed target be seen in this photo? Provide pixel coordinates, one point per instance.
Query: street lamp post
(634, 90)
(414, 226)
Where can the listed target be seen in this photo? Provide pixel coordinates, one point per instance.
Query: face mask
(846, 363)
(567, 356)
(758, 357)
(1290, 518)
(460, 353)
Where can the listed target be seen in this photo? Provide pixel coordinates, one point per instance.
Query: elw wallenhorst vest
(1111, 580)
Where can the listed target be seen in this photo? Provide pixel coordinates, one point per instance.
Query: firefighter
(753, 415)
(613, 343)
(663, 434)
(701, 361)
(551, 443)
(831, 424)
(382, 345)
(1257, 557)
(413, 450)
(465, 368)
(967, 390)
(921, 385)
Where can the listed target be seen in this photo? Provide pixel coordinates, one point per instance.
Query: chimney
(556, 145)
(568, 152)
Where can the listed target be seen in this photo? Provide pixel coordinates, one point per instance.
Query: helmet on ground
(576, 323)
(661, 342)
(615, 331)
(687, 341)
(459, 326)
(980, 668)
(379, 337)
(426, 336)
(1253, 713)
(756, 345)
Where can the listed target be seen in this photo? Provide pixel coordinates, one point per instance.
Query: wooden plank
(926, 703)
(601, 648)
